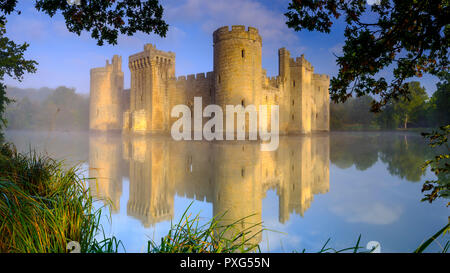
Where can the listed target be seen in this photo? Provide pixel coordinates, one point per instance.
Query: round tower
(106, 95)
(237, 66)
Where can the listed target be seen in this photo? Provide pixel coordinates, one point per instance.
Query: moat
(331, 185)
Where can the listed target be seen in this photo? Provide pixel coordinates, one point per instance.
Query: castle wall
(237, 79)
(106, 96)
(190, 86)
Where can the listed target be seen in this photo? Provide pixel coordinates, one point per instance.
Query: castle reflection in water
(233, 176)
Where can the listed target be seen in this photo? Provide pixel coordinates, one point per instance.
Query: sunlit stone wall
(106, 96)
(237, 79)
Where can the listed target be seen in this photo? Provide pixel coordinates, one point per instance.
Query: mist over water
(312, 188)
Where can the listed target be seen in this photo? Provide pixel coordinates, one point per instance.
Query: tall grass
(43, 206)
(190, 236)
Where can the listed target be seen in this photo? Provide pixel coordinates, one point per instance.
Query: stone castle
(238, 78)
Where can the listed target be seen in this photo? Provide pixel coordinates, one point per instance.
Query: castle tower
(151, 74)
(286, 85)
(237, 66)
(321, 103)
(106, 96)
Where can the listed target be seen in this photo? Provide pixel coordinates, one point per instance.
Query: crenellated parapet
(321, 77)
(114, 66)
(196, 85)
(236, 32)
(151, 55)
(300, 62)
(196, 77)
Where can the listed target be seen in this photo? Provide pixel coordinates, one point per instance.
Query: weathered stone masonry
(238, 78)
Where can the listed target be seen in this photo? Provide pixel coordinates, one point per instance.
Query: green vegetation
(42, 206)
(409, 38)
(189, 236)
(47, 109)
(416, 110)
(440, 165)
(12, 64)
(428, 242)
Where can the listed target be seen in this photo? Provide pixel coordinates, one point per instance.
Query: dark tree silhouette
(412, 37)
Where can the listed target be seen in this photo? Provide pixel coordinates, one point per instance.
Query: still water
(336, 185)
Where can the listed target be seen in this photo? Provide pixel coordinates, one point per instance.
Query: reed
(189, 235)
(43, 206)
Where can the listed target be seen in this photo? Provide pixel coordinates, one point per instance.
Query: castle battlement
(115, 65)
(196, 77)
(300, 62)
(321, 77)
(150, 55)
(236, 32)
(284, 51)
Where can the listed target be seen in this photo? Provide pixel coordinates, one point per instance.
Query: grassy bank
(42, 206)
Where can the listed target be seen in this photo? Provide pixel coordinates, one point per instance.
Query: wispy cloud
(214, 14)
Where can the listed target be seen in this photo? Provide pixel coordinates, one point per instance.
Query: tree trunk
(406, 121)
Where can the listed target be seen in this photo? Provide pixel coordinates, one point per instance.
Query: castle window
(243, 53)
(242, 172)
(292, 116)
(218, 78)
(292, 102)
(293, 83)
(242, 102)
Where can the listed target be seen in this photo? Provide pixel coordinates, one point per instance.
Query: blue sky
(65, 58)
